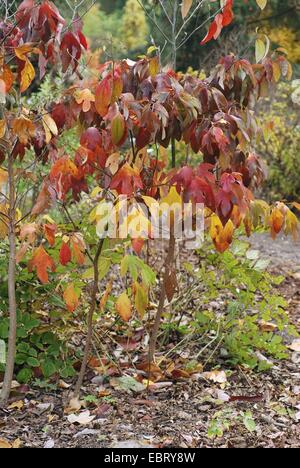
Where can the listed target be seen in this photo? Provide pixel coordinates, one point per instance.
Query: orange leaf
(8, 78)
(41, 262)
(24, 129)
(276, 221)
(64, 166)
(84, 97)
(78, 248)
(123, 307)
(104, 95)
(43, 202)
(71, 298)
(50, 231)
(105, 296)
(127, 180)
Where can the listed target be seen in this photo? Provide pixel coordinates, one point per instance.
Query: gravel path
(283, 251)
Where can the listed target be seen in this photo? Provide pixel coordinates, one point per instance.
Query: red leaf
(70, 51)
(138, 245)
(211, 32)
(127, 180)
(221, 20)
(65, 254)
(183, 179)
(91, 138)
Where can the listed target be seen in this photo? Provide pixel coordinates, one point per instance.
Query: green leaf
(4, 329)
(24, 376)
(262, 49)
(23, 348)
(48, 368)
(249, 422)
(135, 266)
(33, 362)
(21, 359)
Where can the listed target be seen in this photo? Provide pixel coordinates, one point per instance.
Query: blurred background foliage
(122, 27)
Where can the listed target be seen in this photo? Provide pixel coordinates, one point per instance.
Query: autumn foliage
(123, 109)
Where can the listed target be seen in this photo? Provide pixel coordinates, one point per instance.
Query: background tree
(134, 26)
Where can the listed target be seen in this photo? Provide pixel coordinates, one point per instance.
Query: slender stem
(93, 304)
(10, 362)
(168, 270)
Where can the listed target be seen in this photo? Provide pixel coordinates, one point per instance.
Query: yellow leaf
(3, 177)
(292, 225)
(84, 97)
(25, 49)
(186, 7)
(261, 49)
(71, 298)
(50, 127)
(262, 4)
(173, 198)
(2, 128)
(154, 66)
(276, 71)
(123, 307)
(3, 225)
(27, 76)
(221, 236)
(17, 444)
(141, 299)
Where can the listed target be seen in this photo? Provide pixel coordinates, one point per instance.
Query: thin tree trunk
(10, 362)
(93, 305)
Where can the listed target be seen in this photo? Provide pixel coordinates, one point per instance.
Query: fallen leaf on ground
(127, 383)
(216, 376)
(83, 419)
(74, 406)
(49, 444)
(295, 346)
(18, 405)
(4, 444)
